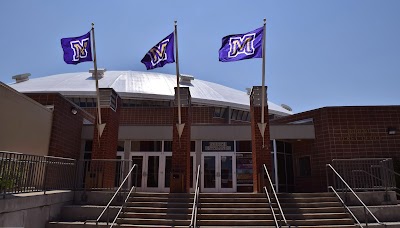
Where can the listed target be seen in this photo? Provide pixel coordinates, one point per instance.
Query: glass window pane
(168, 170)
(243, 146)
(146, 146)
(121, 146)
(280, 146)
(168, 146)
(152, 171)
(191, 171)
(88, 145)
(209, 172)
(192, 146)
(226, 172)
(288, 148)
(137, 175)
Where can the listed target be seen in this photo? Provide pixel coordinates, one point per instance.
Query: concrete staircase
(157, 210)
(216, 210)
(252, 210)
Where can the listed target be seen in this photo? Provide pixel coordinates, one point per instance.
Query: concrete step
(267, 210)
(158, 210)
(202, 216)
(246, 223)
(160, 199)
(265, 200)
(171, 216)
(262, 195)
(159, 204)
(162, 194)
(265, 205)
(159, 222)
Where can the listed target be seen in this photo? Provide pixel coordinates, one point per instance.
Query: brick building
(220, 133)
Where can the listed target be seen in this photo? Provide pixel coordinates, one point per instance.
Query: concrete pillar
(180, 176)
(261, 153)
(105, 147)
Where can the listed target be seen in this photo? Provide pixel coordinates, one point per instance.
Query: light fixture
(391, 130)
(74, 111)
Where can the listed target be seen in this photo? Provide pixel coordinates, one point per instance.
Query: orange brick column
(106, 148)
(180, 176)
(260, 154)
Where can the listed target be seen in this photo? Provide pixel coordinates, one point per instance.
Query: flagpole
(100, 126)
(179, 126)
(263, 82)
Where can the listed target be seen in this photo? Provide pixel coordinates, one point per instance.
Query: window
(305, 166)
(168, 146)
(145, 146)
(219, 112)
(144, 103)
(243, 146)
(121, 146)
(88, 145)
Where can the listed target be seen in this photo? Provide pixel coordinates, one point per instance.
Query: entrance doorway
(218, 172)
(154, 171)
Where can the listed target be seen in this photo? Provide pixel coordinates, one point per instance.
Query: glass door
(166, 171)
(147, 177)
(218, 172)
(137, 176)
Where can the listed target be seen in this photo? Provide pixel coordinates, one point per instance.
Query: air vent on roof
(287, 107)
(186, 79)
(100, 72)
(248, 91)
(21, 77)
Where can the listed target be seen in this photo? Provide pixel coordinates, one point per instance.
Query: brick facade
(66, 129)
(180, 179)
(261, 153)
(342, 133)
(107, 146)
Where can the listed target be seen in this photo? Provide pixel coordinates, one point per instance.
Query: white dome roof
(134, 84)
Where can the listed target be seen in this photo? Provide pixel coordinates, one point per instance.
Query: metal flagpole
(179, 126)
(262, 125)
(100, 126)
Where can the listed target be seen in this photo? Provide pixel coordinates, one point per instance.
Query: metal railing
(123, 206)
(282, 215)
(384, 166)
(193, 221)
(345, 206)
(365, 174)
(20, 173)
(270, 206)
(106, 209)
(345, 190)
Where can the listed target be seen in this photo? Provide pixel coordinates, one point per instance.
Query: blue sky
(319, 52)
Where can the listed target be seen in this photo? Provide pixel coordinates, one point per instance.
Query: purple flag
(161, 54)
(77, 49)
(241, 46)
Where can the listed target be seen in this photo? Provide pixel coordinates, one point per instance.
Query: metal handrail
(193, 221)
(122, 206)
(395, 173)
(345, 206)
(276, 197)
(270, 206)
(112, 198)
(365, 206)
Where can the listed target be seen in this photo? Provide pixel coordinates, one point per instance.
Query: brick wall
(341, 133)
(261, 153)
(107, 146)
(66, 129)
